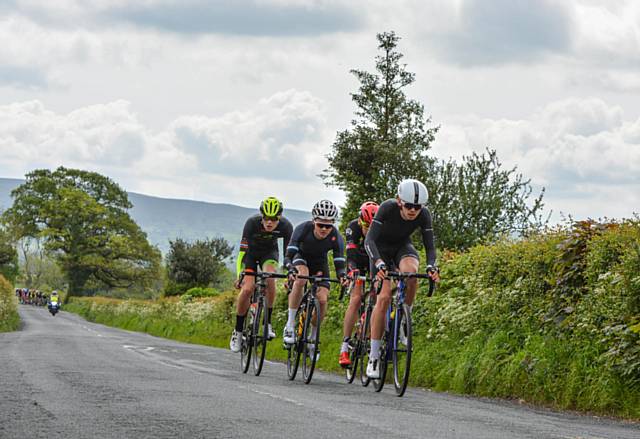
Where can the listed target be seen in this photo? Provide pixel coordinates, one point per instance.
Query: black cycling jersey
(357, 257)
(256, 239)
(389, 231)
(305, 245)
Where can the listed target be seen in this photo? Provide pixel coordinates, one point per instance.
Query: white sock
(345, 347)
(292, 317)
(375, 349)
(410, 308)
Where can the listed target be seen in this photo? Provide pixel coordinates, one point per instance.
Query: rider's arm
(287, 231)
(426, 228)
(373, 234)
(338, 254)
(352, 246)
(294, 244)
(244, 246)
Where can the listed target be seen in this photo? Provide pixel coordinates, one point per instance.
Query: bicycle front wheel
(402, 345)
(260, 335)
(310, 341)
(378, 384)
(294, 350)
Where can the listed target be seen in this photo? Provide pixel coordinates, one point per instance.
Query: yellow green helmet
(271, 206)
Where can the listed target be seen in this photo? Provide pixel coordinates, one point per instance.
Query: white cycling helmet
(412, 191)
(324, 210)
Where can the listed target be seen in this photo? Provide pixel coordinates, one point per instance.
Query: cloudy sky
(233, 101)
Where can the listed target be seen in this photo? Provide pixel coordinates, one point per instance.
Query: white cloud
(278, 143)
(279, 138)
(579, 149)
(609, 36)
(100, 135)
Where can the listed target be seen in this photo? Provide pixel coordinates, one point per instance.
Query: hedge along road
(62, 377)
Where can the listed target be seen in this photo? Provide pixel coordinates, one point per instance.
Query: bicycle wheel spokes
(294, 350)
(260, 335)
(401, 353)
(310, 342)
(245, 351)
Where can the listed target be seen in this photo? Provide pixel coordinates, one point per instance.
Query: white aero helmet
(413, 192)
(324, 210)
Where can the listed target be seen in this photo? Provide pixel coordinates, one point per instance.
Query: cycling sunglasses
(324, 226)
(271, 218)
(411, 206)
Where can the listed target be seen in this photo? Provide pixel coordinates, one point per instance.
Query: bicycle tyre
(401, 355)
(309, 361)
(260, 336)
(365, 345)
(378, 384)
(293, 350)
(245, 350)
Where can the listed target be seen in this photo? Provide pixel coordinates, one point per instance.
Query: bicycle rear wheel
(310, 342)
(351, 371)
(260, 335)
(245, 351)
(402, 346)
(294, 350)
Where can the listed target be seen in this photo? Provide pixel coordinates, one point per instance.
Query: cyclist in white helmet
(388, 244)
(307, 255)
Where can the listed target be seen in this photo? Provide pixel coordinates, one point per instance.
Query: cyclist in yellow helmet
(259, 247)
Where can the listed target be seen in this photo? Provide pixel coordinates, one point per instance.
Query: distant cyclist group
(31, 296)
(379, 250)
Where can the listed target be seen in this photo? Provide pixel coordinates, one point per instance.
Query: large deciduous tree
(82, 220)
(389, 141)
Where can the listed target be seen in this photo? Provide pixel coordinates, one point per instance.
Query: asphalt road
(62, 377)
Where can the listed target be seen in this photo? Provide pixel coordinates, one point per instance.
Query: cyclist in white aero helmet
(388, 244)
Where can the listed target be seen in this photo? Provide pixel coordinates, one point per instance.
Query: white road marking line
(271, 395)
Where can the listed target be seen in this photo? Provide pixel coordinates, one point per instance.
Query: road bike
(397, 339)
(359, 343)
(255, 331)
(306, 344)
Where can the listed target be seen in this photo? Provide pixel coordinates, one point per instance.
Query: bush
(9, 319)
(554, 319)
(202, 292)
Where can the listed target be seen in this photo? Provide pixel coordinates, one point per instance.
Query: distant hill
(164, 218)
